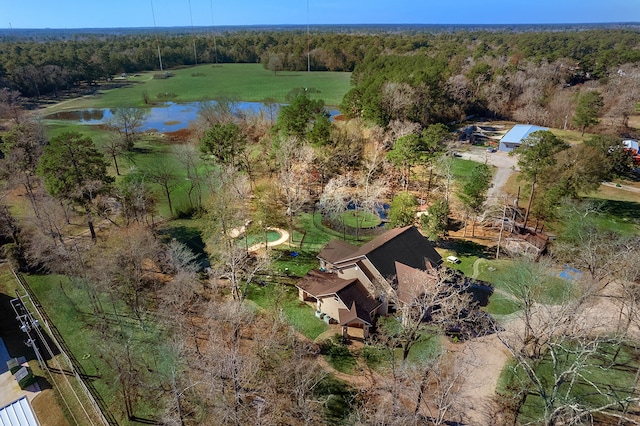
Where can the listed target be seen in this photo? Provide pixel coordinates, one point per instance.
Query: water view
(169, 117)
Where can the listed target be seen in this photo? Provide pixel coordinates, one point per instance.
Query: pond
(168, 117)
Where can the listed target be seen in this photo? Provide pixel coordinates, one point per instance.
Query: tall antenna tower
(193, 36)
(155, 29)
(308, 41)
(213, 26)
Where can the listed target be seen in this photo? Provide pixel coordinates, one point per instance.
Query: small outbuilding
(18, 413)
(514, 137)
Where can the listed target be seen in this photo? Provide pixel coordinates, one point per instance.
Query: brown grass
(47, 409)
(616, 194)
(634, 121)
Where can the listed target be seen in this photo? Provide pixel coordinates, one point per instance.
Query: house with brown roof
(355, 284)
(345, 302)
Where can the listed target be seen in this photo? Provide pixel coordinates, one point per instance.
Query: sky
(177, 13)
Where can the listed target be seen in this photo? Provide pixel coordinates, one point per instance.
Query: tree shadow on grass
(621, 209)
(468, 248)
(192, 238)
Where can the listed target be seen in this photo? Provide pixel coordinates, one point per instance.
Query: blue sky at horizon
(170, 13)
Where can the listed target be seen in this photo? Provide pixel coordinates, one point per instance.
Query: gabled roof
(318, 283)
(337, 250)
(360, 304)
(406, 245)
(412, 283)
(520, 132)
(354, 314)
(351, 292)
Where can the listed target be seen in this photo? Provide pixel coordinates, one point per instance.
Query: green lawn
(501, 304)
(339, 356)
(300, 315)
(360, 219)
(462, 168)
(295, 266)
(150, 152)
(318, 235)
(615, 377)
(242, 82)
(67, 304)
(620, 212)
(425, 348)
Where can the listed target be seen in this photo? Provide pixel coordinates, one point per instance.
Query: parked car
(491, 149)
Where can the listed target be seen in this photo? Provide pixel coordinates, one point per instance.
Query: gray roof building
(514, 137)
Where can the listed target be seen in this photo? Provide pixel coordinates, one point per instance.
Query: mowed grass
(360, 219)
(242, 82)
(293, 263)
(318, 235)
(462, 168)
(151, 153)
(274, 297)
(603, 369)
(67, 304)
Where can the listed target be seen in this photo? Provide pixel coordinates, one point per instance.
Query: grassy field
(242, 82)
(151, 152)
(293, 263)
(67, 304)
(462, 168)
(298, 314)
(616, 377)
(317, 235)
(360, 219)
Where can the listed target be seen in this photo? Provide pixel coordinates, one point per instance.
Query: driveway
(505, 166)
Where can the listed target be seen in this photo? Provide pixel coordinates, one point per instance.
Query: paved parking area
(9, 388)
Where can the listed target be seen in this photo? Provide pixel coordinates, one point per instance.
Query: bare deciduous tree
(127, 122)
(294, 162)
(556, 348)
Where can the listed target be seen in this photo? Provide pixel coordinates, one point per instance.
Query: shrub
(338, 355)
(166, 95)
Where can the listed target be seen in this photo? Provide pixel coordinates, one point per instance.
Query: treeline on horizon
(459, 71)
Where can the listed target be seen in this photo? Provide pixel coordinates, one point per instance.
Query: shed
(514, 137)
(18, 413)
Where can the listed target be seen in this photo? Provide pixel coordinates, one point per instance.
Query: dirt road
(505, 166)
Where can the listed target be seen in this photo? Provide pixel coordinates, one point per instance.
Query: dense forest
(149, 250)
(525, 76)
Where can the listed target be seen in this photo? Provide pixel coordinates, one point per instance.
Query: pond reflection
(168, 117)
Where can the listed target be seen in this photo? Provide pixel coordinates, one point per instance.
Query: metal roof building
(514, 137)
(18, 413)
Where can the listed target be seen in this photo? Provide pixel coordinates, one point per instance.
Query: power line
(155, 29)
(213, 30)
(193, 35)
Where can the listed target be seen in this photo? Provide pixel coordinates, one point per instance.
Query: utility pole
(308, 41)
(193, 36)
(504, 215)
(153, 13)
(27, 324)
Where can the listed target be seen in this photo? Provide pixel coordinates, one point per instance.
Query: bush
(162, 76)
(338, 355)
(374, 357)
(166, 95)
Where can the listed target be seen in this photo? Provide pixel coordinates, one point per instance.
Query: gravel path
(505, 165)
(623, 187)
